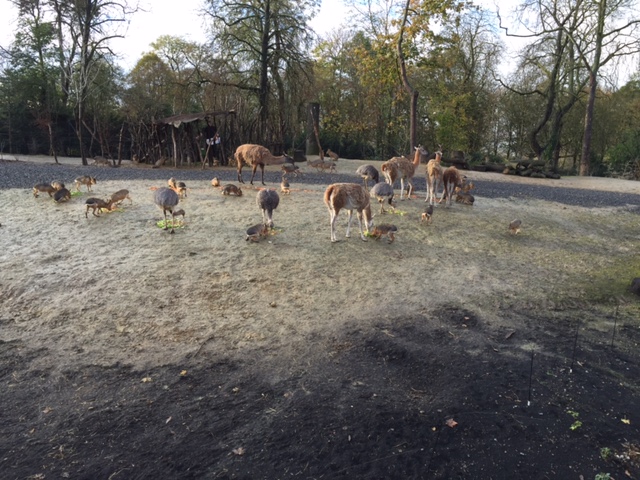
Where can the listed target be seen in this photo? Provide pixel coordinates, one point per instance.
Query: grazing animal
(514, 227)
(43, 187)
(97, 204)
(465, 198)
(120, 195)
(285, 188)
(167, 199)
(62, 195)
(383, 191)
(368, 172)
(334, 156)
(179, 187)
(215, 182)
(290, 168)
(349, 196)
(327, 165)
(451, 179)
(267, 201)
(257, 232)
(434, 177)
(256, 156)
(385, 229)
(427, 215)
(58, 185)
(100, 160)
(85, 180)
(231, 189)
(315, 163)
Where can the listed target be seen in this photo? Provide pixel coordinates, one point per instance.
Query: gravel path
(25, 175)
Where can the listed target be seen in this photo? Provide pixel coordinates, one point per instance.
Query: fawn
(85, 180)
(97, 204)
(231, 189)
(385, 229)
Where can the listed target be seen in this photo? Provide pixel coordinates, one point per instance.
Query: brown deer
(231, 189)
(85, 180)
(97, 204)
(349, 196)
(257, 232)
(120, 195)
(179, 187)
(385, 229)
(434, 177)
(256, 156)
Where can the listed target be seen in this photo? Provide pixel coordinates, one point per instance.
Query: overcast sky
(163, 18)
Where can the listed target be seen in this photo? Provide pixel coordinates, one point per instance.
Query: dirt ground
(458, 351)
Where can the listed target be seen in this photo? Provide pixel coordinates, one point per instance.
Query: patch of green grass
(176, 224)
(76, 194)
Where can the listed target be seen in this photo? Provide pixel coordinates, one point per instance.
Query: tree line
(404, 72)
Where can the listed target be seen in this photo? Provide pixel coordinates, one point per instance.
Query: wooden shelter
(191, 142)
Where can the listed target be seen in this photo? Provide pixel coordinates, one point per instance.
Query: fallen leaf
(47, 410)
(451, 423)
(168, 420)
(146, 379)
(183, 373)
(626, 421)
(238, 451)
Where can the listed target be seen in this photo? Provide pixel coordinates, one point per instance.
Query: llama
(408, 168)
(368, 172)
(349, 196)
(383, 191)
(390, 171)
(267, 201)
(451, 179)
(256, 156)
(434, 177)
(167, 199)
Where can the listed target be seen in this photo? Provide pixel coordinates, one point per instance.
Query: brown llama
(349, 196)
(434, 178)
(256, 156)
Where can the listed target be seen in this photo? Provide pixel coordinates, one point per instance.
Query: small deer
(97, 204)
(427, 215)
(385, 229)
(285, 188)
(290, 168)
(231, 189)
(118, 197)
(514, 227)
(350, 197)
(334, 156)
(43, 187)
(465, 198)
(58, 185)
(179, 187)
(257, 232)
(62, 195)
(85, 180)
(327, 165)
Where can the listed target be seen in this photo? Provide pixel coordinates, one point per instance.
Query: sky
(161, 17)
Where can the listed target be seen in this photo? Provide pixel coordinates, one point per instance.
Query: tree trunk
(588, 126)
(413, 93)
